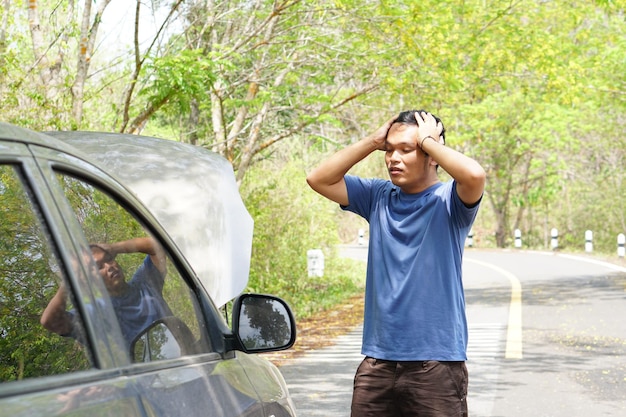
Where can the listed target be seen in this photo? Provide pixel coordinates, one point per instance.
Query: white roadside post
(315, 262)
(588, 241)
(470, 238)
(554, 243)
(361, 239)
(518, 238)
(621, 240)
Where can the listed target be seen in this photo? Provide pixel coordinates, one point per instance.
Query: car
(120, 259)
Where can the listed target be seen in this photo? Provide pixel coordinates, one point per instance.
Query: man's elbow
(47, 323)
(334, 191)
(478, 177)
(314, 181)
(472, 186)
(473, 176)
(55, 324)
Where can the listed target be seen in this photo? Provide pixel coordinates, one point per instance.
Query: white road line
(514, 343)
(346, 347)
(593, 261)
(484, 341)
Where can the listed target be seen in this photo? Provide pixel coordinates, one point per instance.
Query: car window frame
(52, 162)
(19, 156)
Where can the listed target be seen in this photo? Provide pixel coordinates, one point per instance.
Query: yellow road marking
(513, 348)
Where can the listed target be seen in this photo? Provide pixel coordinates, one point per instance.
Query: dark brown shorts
(402, 389)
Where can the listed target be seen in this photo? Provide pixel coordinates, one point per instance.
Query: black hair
(101, 249)
(408, 118)
(94, 246)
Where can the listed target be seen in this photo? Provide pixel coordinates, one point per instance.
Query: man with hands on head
(415, 329)
(137, 302)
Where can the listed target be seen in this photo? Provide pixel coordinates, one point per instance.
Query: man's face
(407, 165)
(109, 270)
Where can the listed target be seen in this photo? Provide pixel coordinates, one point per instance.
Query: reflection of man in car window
(137, 303)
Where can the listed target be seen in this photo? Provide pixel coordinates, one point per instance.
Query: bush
(289, 219)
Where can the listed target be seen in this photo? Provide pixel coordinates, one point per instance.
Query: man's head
(110, 271)
(408, 118)
(409, 167)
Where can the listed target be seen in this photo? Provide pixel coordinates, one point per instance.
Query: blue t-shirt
(414, 299)
(138, 308)
(143, 303)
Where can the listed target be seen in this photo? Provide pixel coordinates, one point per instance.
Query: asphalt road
(547, 339)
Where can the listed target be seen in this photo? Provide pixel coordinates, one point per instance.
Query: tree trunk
(88, 32)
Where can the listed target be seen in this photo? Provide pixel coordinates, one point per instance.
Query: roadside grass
(325, 308)
(343, 279)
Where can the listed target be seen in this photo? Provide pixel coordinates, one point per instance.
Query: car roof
(18, 134)
(191, 191)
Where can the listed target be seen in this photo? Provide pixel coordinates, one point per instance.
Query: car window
(31, 276)
(143, 285)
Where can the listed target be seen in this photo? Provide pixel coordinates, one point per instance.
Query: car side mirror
(166, 338)
(263, 323)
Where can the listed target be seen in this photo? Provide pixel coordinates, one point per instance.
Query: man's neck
(121, 291)
(417, 188)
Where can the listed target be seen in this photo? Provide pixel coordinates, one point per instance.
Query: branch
(139, 61)
(498, 15)
(138, 122)
(302, 125)
(86, 48)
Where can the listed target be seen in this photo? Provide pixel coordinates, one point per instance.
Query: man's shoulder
(353, 180)
(445, 186)
(145, 271)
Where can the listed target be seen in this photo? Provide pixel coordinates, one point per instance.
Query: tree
(248, 78)
(524, 167)
(41, 80)
(512, 80)
(57, 71)
(253, 73)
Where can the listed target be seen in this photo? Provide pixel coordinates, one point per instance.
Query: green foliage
(534, 90)
(289, 220)
(523, 85)
(28, 283)
(181, 77)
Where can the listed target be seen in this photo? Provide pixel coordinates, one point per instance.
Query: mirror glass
(264, 323)
(157, 343)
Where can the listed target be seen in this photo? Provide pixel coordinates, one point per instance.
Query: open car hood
(191, 192)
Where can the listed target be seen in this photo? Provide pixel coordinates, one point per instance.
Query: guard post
(315, 262)
(588, 241)
(361, 239)
(621, 240)
(470, 238)
(554, 242)
(518, 238)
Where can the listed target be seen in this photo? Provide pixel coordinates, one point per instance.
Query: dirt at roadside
(320, 331)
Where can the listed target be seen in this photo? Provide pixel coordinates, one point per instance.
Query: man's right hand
(328, 178)
(379, 137)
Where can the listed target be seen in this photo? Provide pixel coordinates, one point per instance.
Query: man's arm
(55, 318)
(328, 178)
(146, 245)
(468, 174)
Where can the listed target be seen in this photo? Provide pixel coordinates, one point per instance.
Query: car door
(41, 373)
(196, 377)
